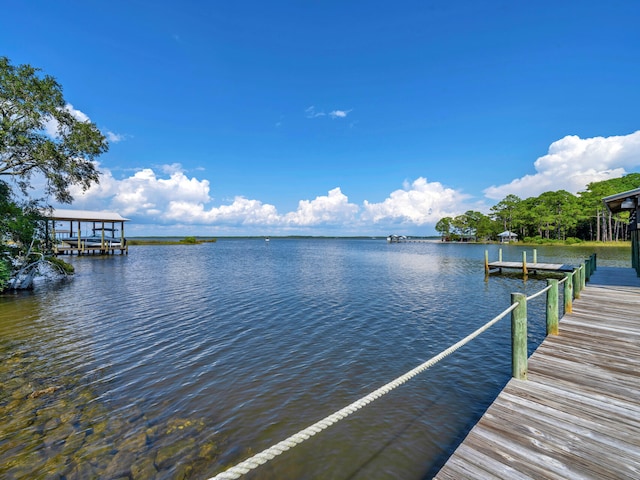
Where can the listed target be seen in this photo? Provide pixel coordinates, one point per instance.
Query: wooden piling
(568, 293)
(519, 336)
(524, 263)
(552, 307)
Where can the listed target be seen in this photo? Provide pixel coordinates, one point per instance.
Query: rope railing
(519, 365)
(281, 447)
(537, 294)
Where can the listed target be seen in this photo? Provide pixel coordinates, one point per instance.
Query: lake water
(181, 361)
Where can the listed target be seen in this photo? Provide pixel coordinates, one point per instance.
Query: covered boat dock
(83, 232)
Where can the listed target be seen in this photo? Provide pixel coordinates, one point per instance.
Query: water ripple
(247, 343)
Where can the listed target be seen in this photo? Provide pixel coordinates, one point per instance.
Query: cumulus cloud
(171, 197)
(144, 193)
(573, 162)
(418, 203)
(178, 198)
(333, 208)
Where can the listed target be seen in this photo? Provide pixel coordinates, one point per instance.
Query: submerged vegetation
(66, 415)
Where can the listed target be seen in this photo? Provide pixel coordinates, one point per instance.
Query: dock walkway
(578, 414)
(557, 267)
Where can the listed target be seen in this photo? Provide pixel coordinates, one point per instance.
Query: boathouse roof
(616, 203)
(507, 233)
(86, 216)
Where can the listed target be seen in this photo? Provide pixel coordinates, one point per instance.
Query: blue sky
(337, 117)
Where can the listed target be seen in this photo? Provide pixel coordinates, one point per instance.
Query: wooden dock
(553, 267)
(577, 416)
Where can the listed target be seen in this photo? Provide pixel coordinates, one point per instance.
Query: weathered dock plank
(578, 414)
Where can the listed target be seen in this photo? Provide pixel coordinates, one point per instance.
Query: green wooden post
(524, 263)
(568, 293)
(595, 262)
(583, 268)
(535, 255)
(576, 283)
(519, 336)
(587, 270)
(500, 255)
(552, 307)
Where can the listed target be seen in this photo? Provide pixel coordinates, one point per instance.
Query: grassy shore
(161, 241)
(586, 243)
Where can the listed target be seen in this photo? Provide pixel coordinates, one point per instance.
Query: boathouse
(507, 236)
(83, 231)
(628, 201)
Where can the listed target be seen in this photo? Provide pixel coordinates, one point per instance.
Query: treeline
(556, 215)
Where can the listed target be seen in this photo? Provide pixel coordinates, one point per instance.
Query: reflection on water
(179, 361)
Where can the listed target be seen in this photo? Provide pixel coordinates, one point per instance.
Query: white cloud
(51, 125)
(174, 198)
(333, 208)
(144, 193)
(114, 137)
(77, 114)
(418, 203)
(312, 113)
(339, 113)
(572, 163)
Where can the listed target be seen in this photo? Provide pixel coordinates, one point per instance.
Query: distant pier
(524, 266)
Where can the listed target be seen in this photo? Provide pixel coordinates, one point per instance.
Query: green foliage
(61, 265)
(29, 102)
(189, 240)
(5, 273)
(572, 241)
(549, 217)
(39, 135)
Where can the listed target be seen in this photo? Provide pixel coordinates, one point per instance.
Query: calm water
(179, 361)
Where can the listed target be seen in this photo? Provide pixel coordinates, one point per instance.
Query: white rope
(272, 452)
(546, 289)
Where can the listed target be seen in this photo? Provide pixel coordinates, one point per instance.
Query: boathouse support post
(552, 307)
(524, 263)
(568, 293)
(519, 336)
(576, 283)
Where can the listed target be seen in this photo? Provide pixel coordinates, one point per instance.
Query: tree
(39, 134)
(594, 213)
(443, 227)
(504, 211)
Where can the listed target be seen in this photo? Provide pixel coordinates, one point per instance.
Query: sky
(337, 117)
